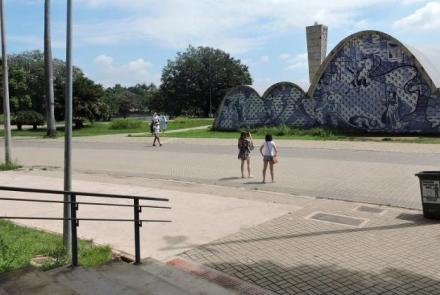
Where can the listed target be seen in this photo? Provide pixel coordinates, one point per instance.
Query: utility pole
(48, 71)
(67, 233)
(6, 110)
(210, 86)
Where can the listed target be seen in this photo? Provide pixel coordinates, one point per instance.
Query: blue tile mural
(369, 82)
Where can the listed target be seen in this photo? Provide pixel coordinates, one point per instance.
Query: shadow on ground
(417, 220)
(329, 279)
(229, 178)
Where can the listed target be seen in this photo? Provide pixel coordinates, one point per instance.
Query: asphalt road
(378, 177)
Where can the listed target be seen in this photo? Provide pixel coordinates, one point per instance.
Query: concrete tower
(316, 47)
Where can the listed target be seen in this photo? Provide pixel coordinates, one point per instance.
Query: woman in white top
(269, 152)
(156, 129)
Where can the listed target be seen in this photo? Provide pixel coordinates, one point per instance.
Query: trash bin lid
(429, 174)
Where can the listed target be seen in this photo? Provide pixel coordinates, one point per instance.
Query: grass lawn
(105, 128)
(19, 244)
(10, 166)
(287, 133)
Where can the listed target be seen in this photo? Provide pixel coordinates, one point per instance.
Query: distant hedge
(126, 124)
(28, 118)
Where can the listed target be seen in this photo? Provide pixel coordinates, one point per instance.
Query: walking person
(245, 146)
(163, 123)
(269, 152)
(156, 129)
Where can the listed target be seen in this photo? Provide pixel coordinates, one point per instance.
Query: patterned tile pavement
(395, 252)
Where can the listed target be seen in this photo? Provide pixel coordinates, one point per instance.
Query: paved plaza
(370, 172)
(323, 228)
(394, 252)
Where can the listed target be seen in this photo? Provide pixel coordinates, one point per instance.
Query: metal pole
(6, 110)
(74, 223)
(137, 224)
(48, 71)
(210, 87)
(67, 235)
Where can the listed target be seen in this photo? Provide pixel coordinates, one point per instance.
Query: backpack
(151, 126)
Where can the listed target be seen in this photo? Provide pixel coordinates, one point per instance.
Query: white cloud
(296, 62)
(362, 25)
(284, 56)
(426, 18)
(264, 59)
(109, 73)
(235, 26)
(104, 60)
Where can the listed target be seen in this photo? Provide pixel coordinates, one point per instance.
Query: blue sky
(129, 41)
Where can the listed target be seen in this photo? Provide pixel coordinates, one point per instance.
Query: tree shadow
(177, 243)
(329, 279)
(416, 218)
(420, 222)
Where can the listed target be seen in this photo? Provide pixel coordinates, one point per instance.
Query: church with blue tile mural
(370, 82)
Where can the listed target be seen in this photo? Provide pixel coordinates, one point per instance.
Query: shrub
(79, 122)
(126, 124)
(28, 118)
(10, 166)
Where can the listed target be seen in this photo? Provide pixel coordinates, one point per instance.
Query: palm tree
(48, 68)
(6, 111)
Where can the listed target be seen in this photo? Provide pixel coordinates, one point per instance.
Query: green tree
(135, 99)
(31, 64)
(20, 99)
(88, 103)
(197, 80)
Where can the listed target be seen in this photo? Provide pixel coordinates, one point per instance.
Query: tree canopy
(192, 84)
(90, 100)
(197, 80)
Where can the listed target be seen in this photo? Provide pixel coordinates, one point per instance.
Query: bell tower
(316, 47)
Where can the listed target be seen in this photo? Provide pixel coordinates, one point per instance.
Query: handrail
(79, 219)
(59, 192)
(81, 203)
(74, 207)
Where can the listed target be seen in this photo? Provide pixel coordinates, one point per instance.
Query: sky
(130, 41)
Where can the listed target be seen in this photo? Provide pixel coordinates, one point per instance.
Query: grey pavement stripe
(338, 219)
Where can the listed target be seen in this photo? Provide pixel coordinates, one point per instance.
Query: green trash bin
(430, 190)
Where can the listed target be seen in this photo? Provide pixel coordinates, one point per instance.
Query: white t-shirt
(156, 128)
(269, 148)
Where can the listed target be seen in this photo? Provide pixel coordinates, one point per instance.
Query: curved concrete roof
(266, 93)
(426, 63)
(426, 68)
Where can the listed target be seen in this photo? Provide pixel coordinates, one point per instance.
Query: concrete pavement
(378, 173)
(332, 247)
(289, 245)
(269, 235)
(197, 218)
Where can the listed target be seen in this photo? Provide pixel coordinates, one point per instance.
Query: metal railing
(74, 207)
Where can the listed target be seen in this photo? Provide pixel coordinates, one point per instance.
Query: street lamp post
(6, 110)
(67, 233)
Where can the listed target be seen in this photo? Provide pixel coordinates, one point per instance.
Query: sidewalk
(197, 218)
(307, 144)
(282, 243)
(379, 250)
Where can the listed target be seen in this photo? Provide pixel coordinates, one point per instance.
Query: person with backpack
(269, 152)
(155, 129)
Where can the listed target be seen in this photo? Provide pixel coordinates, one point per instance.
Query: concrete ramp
(114, 278)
